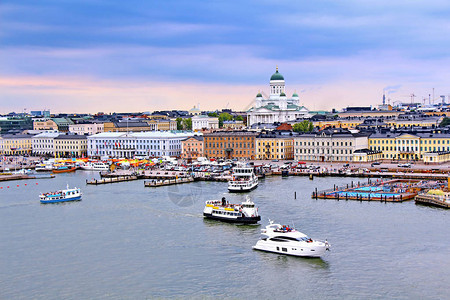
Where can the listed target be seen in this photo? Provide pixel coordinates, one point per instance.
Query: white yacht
(221, 210)
(243, 180)
(283, 239)
(95, 166)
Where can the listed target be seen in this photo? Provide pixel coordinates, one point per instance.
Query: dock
(432, 200)
(164, 182)
(111, 180)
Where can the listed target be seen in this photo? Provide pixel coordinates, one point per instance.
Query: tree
(239, 118)
(214, 114)
(187, 124)
(304, 126)
(445, 122)
(224, 117)
(179, 123)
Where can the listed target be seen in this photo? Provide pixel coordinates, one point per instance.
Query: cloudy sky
(105, 55)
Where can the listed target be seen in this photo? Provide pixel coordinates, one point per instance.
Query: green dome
(282, 94)
(295, 94)
(277, 76)
(259, 95)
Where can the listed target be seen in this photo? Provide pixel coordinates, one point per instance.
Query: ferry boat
(61, 196)
(243, 180)
(221, 210)
(95, 166)
(283, 239)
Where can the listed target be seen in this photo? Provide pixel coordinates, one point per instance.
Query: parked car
(376, 163)
(407, 165)
(346, 165)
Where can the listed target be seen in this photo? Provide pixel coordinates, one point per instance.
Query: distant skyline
(115, 56)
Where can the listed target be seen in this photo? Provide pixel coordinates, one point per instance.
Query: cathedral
(277, 107)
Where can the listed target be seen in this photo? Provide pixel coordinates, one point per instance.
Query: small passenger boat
(222, 210)
(66, 195)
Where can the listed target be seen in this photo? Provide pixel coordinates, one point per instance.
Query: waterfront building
(87, 128)
(200, 122)
(277, 107)
(131, 144)
(275, 145)
(44, 143)
(436, 157)
(366, 155)
(192, 147)
(230, 144)
(70, 145)
(15, 144)
(332, 144)
(397, 145)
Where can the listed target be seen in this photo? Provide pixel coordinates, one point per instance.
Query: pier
(432, 200)
(111, 180)
(160, 182)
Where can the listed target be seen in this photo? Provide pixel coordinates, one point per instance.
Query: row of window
(399, 141)
(333, 151)
(235, 152)
(297, 143)
(407, 149)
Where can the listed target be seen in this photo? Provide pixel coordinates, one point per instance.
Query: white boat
(44, 167)
(61, 196)
(222, 210)
(283, 239)
(95, 166)
(243, 180)
(23, 172)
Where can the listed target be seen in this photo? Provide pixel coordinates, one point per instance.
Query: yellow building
(366, 155)
(409, 146)
(15, 144)
(70, 145)
(436, 157)
(339, 123)
(45, 124)
(274, 145)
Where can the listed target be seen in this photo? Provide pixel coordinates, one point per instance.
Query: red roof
(284, 126)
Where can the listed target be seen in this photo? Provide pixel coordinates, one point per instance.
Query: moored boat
(222, 210)
(64, 169)
(66, 195)
(243, 180)
(95, 166)
(283, 239)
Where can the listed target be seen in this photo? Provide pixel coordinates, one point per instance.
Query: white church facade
(277, 107)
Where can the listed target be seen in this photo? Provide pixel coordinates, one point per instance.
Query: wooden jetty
(111, 180)
(164, 182)
(432, 200)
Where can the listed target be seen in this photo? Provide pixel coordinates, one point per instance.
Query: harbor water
(127, 241)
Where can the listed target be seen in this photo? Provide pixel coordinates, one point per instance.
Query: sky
(89, 56)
